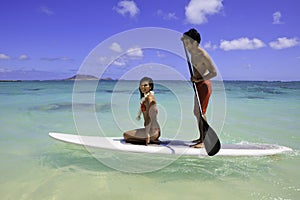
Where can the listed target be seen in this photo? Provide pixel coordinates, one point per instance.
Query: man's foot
(147, 140)
(197, 141)
(155, 142)
(198, 145)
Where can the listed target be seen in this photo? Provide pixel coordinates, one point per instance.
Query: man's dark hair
(193, 34)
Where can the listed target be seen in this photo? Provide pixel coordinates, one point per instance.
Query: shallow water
(34, 166)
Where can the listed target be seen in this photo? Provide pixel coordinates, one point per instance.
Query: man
(204, 70)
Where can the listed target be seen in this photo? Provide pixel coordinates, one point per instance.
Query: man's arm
(205, 67)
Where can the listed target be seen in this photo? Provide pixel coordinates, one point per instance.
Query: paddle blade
(211, 141)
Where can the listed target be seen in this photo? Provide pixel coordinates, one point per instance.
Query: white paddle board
(175, 147)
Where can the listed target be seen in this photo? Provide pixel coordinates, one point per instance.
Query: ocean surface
(35, 166)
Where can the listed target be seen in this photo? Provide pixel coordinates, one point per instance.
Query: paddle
(211, 141)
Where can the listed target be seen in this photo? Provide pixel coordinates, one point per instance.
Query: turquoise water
(34, 166)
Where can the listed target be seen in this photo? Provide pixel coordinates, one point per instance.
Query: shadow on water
(117, 91)
(255, 97)
(67, 106)
(34, 89)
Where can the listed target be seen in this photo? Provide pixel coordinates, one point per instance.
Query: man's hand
(195, 80)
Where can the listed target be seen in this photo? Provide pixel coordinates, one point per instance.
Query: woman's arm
(152, 117)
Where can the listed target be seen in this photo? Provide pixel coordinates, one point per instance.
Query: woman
(151, 132)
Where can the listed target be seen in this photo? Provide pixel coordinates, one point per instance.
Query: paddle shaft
(194, 84)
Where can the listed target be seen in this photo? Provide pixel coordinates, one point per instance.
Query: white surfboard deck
(175, 147)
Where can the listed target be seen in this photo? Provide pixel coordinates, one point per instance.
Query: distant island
(87, 77)
(79, 77)
(10, 80)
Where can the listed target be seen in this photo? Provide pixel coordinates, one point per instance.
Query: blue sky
(247, 39)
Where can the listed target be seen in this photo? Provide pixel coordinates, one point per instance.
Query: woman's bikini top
(143, 107)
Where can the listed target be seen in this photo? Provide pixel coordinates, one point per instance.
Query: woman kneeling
(151, 131)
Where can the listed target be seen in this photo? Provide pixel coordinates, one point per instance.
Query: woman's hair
(151, 84)
(193, 35)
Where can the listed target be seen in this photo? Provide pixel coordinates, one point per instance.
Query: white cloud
(170, 16)
(65, 59)
(4, 57)
(283, 43)
(241, 44)
(160, 54)
(125, 7)
(45, 10)
(166, 16)
(131, 54)
(119, 63)
(104, 61)
(209, 45)
(56, 59)
(135, 52)
(115, 47)
(197, 10)
(23, 57)
(4, 70)
(276, 18)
